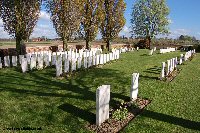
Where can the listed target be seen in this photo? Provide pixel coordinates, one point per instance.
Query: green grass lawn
(38, 99)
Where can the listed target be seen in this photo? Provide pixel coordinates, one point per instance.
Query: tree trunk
(20, 46)
(108, 45)
(88, 44)
(149, 42)
(65, 45)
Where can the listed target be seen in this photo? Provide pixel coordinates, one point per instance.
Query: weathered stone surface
(24, 65)
(59, 66)
(93, 60)
(40, 62)
(108, 57)
(33, 64)
(79, 61)
(97, 59)
(85, 62)
(20, 58)
(14, 61)
(101, 59)
(134, 86)
(6, 61)
(168, 67)
(102, 103)
(163, 70)
(73, 64)
(66, 65)
(53, 62)
(104, 58)
(89, 61)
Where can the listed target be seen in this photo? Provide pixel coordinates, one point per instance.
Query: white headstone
(89, 61)
(6, 61)
(185, 57)
(50, 55)
(104, 58)
(102, 104)
(40, 62)
(73, 64)
(101, 59)
(151, 52)
(33, 62)
(163, 70)
(168, 67)
(46, 60)
(66, 65)
(53, 62)
(24, 65)
(28, 57)
(111, 56)
(171, 65)
(108, 57)
(175, 62)
(20, 58)
(137, 48)
(134, 86)
(14, 60)
(85, 62)
(79, 61)
(94, 60)
(59, 66)
(117, 54)
(181, 60)
(97, 59)
(154, 49)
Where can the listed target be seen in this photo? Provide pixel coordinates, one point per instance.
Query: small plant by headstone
(121, 113)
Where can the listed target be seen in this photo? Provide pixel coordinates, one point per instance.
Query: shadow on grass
(81, 87)
(148, 77)
(172, 120)
(144, 55)
(153, 70)
(83, 114)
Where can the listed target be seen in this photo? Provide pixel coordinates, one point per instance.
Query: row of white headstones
(72, 59)
(47, 57)
(172, 63)
(103, 99)
(87, 61)
(162, 51)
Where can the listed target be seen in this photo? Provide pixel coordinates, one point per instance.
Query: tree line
(85, 18)
(69, 17)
